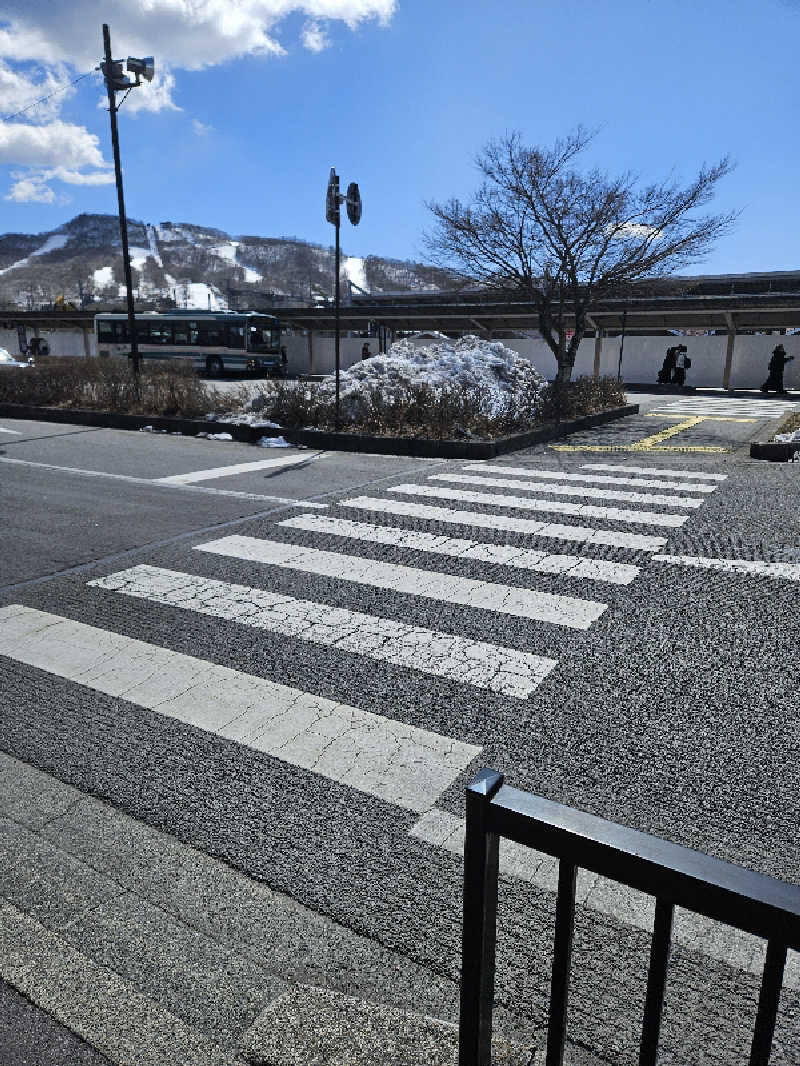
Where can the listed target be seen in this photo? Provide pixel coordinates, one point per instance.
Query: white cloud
(202, 129)
(186, 34)
(56, 144)
(30, 191)
(76, 177)
(44, 44)
(314, 37)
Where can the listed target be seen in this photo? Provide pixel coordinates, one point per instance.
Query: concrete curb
(320, 439)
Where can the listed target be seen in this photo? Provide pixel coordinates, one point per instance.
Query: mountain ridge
(185, 264)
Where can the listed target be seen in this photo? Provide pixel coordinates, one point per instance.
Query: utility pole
(332, 204)
(115, 82)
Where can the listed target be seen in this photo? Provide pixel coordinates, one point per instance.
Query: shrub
(441, 413)
(109, 385)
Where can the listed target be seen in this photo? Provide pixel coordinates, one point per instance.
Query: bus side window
(194, 333)
(181, 335)
(236, 336)
(105, 332)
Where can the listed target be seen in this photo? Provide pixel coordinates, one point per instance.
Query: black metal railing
(674, 875)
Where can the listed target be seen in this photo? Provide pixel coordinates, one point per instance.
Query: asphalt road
(656, 693)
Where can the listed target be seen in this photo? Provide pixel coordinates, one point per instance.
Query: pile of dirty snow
(466, 363)
(788, 438)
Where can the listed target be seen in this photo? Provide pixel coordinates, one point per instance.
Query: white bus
(213, 341)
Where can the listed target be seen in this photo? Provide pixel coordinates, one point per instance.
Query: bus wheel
(214, 366)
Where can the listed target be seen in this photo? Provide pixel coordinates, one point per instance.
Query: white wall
(641, 360)
(60, 341)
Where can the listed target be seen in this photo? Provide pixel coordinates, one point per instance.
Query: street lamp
(333, 202)
(116, 81)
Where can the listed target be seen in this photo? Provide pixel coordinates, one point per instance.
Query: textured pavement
(674, 711)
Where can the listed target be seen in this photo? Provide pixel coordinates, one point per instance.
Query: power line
(63, 89)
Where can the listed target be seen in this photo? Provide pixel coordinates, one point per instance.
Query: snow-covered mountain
(188, 265)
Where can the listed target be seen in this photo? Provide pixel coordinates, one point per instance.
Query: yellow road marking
(654, 443)
(705, 418)
(634, 448)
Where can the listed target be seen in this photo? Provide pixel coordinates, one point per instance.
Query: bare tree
(538, 228)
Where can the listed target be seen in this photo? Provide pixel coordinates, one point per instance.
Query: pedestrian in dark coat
(365, 352)
(776, 364)
(665, 373)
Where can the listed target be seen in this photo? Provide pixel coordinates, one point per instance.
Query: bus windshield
(263, 336)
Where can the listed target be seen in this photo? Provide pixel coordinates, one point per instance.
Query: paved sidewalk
(154, 954)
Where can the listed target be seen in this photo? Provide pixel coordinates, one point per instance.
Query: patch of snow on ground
(272, 442)
(354, 270)
(252, 276)
(788, 438)
(103, 276)
(137, 256)
(58, 240)
(470, 362)
(226, 251)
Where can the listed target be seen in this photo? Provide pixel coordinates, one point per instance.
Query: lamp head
(142, 68)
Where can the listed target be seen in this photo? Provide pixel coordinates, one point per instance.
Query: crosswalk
(726, 407)
(411, 555)
(398, 551)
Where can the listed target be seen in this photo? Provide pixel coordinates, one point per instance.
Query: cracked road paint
(398, 763)
(522, 503)
(470, 662)
(505, 523)
(467, 592)
(469, 550)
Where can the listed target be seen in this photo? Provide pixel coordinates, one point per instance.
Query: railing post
(481, 857)
(768, 1001)
(562, 962)
(656, 982)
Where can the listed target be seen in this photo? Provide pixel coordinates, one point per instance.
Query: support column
(86, 349)
(598, 347)
(726, 375)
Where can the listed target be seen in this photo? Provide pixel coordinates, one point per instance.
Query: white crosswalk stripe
(755, 567)
(725, 407)
(596, 479)
(521, 503)
(658, 471)
(585, 491)
(506, 523)
(471, 550)
(430, 584)
(398, 763)
(470, 662)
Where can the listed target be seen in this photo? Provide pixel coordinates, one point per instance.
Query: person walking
(365, 352)
(682, 364)
(665, 373)
(776, 364)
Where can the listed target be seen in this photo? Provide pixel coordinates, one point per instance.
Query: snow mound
(468, 363)
(788, 438)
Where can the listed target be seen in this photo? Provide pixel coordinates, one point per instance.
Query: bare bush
(169, 390)
(442, 413)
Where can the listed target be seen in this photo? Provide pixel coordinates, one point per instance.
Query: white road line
(399, 763)
(160, 485)
(596, 479)
(571, 490)
(654, 470)
(578, 534)
(230, 471)
(501, 554)
(626, 906)
(16, 432)
(430, 584)
(470, 662)
(756, 567)
(520, 503)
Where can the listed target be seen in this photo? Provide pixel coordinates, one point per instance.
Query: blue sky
(253, 106)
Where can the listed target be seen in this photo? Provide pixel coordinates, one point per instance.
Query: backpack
(687, 362)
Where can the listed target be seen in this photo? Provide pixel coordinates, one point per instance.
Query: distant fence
(674, 875)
